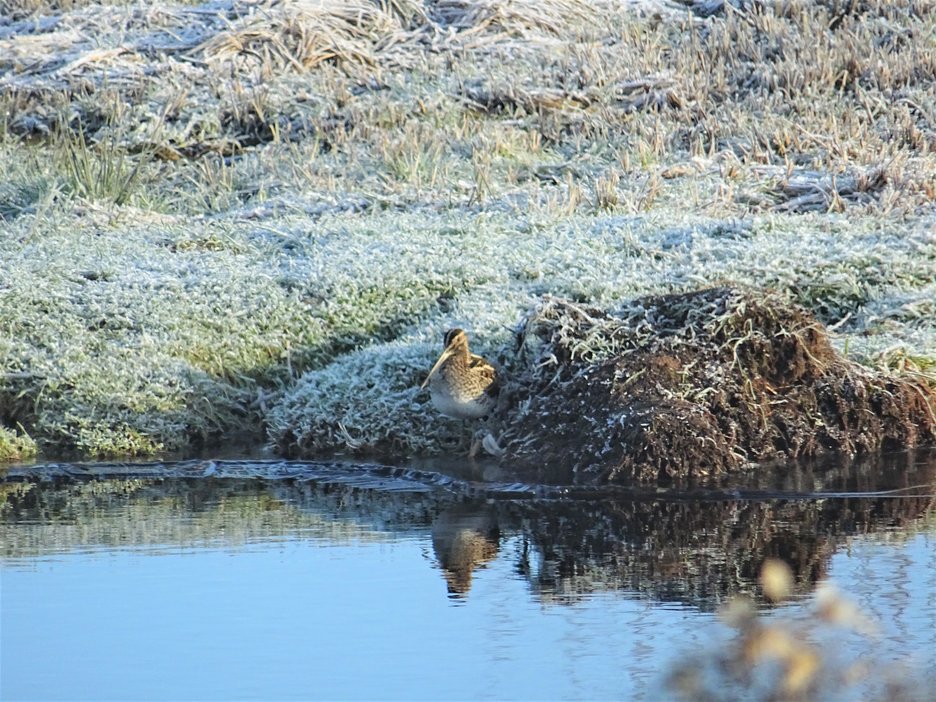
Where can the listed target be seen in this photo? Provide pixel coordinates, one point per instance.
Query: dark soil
(697, 384)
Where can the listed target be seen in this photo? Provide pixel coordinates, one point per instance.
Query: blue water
(302, 619)
(271, 595)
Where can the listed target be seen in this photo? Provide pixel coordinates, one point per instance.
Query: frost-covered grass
(215, 222)
(130, 337)
(369, 399)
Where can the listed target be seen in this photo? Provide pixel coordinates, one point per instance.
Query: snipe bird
(462, 384)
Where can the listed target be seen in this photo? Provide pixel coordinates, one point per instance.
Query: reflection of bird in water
(463, 385)
(464, 538)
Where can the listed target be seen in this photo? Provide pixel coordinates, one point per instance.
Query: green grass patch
(15, 445)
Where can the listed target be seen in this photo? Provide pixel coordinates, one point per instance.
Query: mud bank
(696, 384)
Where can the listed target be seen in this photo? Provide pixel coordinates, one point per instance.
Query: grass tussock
(692, 385)
(301, 35)
(367, 34)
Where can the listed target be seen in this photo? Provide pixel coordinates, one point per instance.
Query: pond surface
(276, 580)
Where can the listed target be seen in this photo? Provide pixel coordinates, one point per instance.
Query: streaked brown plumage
(462, 385)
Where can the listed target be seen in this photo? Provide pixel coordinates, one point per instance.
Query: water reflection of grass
(183, 239)
(697, 551)
(142, 513)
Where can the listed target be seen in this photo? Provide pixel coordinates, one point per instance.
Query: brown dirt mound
(697, 384)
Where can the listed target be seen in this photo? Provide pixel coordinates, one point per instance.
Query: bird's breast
(459, 402)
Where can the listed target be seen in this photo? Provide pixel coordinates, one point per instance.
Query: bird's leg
(475, 445)
(483, 438)
(490, 445)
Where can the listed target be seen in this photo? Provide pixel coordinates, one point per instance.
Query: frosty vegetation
(257, 219)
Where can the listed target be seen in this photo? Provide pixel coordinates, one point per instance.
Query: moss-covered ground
(256, 219)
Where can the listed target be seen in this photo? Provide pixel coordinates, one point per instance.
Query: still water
(274, 580)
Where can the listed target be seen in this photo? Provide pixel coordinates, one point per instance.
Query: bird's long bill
(442, 358)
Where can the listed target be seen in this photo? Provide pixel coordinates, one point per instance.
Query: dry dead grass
(301, 35)
(787, 107)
